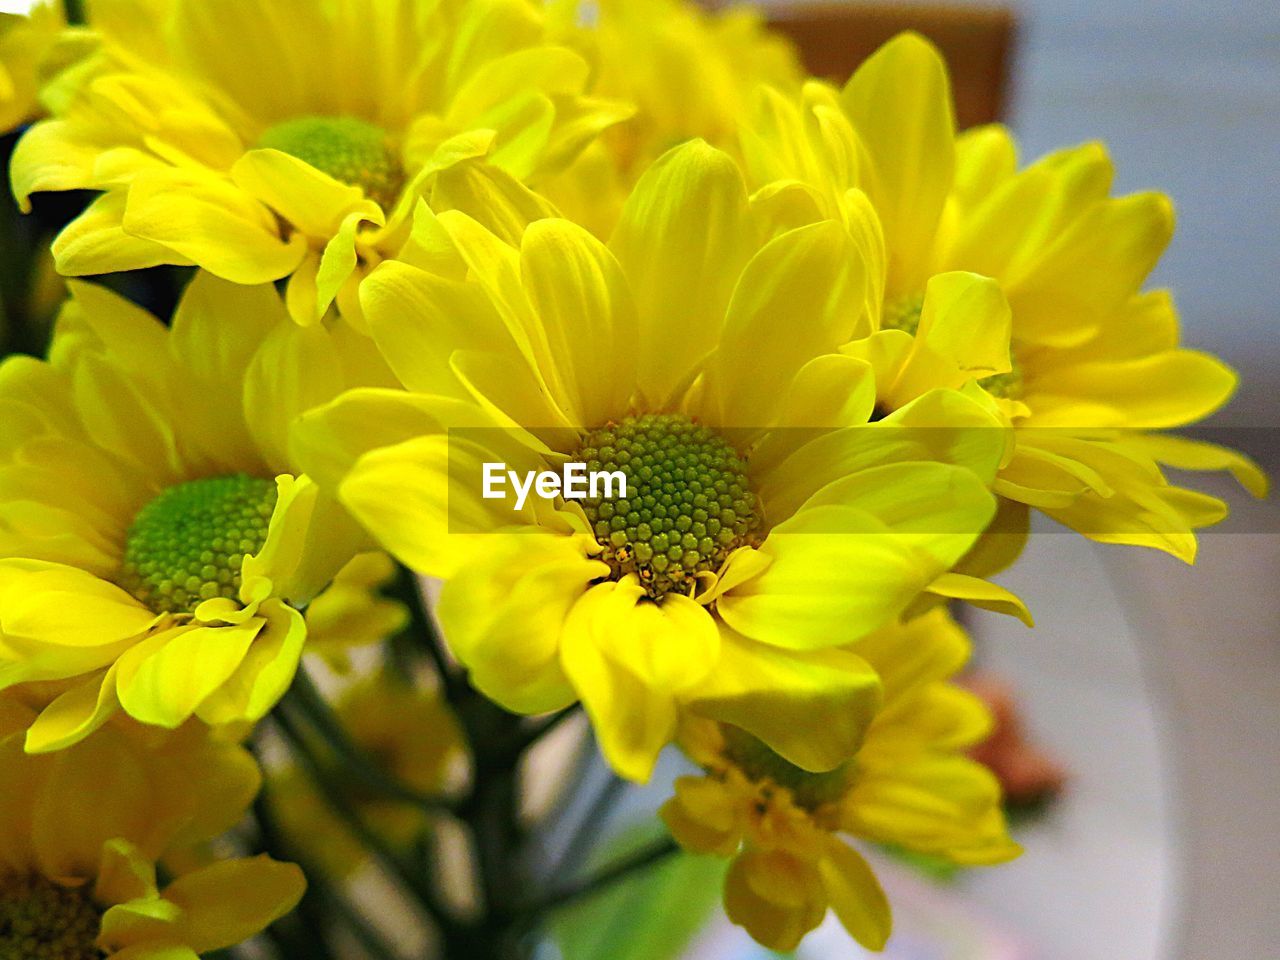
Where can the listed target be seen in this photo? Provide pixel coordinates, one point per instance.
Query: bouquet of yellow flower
(446, 383)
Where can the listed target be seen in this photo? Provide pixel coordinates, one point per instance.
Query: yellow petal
(963, 335)
(75, 714)
(212, 224)
(67, 607)
(166, 687)
(91, 796)
(915, 653)
(632, 721)
(326, 442)
(295, 369)
(265, 672)
(1090, 270)
(856, 895)
(702, 816)
(550, 70)
(96, 242)
(216, 912)
(900, 104)
(412, 312)
(310, 538)
(503, 616)
(150, 951)
(580, 295)
(217, 330)
(837, 573)
(981, 593)
(417, 496)
(125, 874)
(986, 157)
(809, 272)
(312, 201)
(54, 156)
(779, 927)
(937, 509)
(1163, 390)
(829, 391)
(945, 805)
(1012, 227)
(490, 196)
(1183, 454)
(684, 237)
(340, 261)
(810, 708)
(943, 425)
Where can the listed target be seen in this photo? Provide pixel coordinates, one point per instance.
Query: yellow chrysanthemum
(154, 540)
(413, 736)
(909, 785)
(1084, 363)
(768, 523)
(82, 831)
(219, 139)
(689, 71)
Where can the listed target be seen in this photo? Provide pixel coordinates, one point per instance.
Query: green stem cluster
(509, 911)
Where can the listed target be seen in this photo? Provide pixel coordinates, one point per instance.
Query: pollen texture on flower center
(903, 314)
(1008, 385)
(688, 506)
(40, 920)
(347, 149)
(758, 762)
(187, 545)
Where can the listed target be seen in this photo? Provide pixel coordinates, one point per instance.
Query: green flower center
(903, 314)
(689, 503)
(40, 920)
(758, 762)
(187, 545)
(347, 149)
(1007, 386)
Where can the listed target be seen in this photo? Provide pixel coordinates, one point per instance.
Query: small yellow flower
(82, 831)
(766, 523)
(1080, 360)
(412, 735)
(296, 140)
(154, 539)
(690, 72)
(909, 785)
(350, 613)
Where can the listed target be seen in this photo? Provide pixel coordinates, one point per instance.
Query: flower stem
(308, 701)
(620, 869)
(341, 806)
(590, 825)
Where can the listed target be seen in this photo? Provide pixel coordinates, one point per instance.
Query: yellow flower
(689, 71)
(766, 521)
(910, 785)
(82, 831)
(295, 141)
(1083, 362)
(154, 539)
(350, 613)
(412, 735)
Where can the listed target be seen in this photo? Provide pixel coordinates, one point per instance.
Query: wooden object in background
(834, 38)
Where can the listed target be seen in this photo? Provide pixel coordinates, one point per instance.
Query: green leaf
(653, 915)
